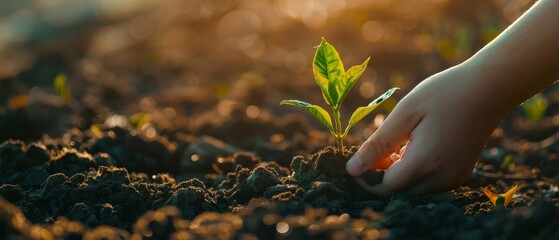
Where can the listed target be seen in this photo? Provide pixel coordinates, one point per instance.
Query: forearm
(524, 59)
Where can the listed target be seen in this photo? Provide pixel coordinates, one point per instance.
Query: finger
(388, 185)
(377, 148)
(403, 149)
(385, 163)
(412, 172)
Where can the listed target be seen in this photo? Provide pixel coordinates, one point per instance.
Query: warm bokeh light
(367, 90)
(229, 31)
(372, 31)
(226, 54)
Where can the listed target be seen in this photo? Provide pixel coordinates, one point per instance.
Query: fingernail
(355, 166)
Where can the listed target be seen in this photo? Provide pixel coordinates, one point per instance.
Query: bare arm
(524, 59)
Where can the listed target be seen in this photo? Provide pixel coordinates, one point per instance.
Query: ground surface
(173, 127)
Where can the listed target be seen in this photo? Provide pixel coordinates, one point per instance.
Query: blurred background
(180, 60)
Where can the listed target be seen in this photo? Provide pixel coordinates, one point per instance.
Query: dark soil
(97, 188)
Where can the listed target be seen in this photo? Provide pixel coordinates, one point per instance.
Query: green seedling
(535, 107)
(61, 87)
(500, 199)
(139, 119)
(335, 84)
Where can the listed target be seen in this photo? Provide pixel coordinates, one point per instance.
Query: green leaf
(327, 68)
(535, 107)
(346, 82)
(361, 112)
(139, 119)
(334, 95)
(61, 86)
(315, 110)
(323, 84)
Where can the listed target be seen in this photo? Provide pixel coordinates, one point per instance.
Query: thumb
(376, 150)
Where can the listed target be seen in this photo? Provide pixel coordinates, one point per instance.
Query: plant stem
(338, 129)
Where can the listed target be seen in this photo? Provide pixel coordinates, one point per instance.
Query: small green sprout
(61, 87)
(335, 84)
(500, 199)
(535, 107)
(139, 119)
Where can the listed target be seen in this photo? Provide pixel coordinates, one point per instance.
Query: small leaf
(323, 84)
(361, 112)
(59, 82)
(535, 107)
(508, 160)
(509, 194)
(491, 195)
(334, 94)
(139, 119)
(327, 68)
(315, 110)
(501, 199)
(346, 82)
(61, 87)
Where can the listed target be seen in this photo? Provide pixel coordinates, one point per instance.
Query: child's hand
(447, 120)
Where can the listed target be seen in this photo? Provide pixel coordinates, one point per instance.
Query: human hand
(447, 119)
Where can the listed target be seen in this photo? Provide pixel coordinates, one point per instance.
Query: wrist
(488, 88)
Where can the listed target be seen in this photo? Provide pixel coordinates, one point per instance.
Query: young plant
(61, 87)
(535, 107)
(501, 199)
(335, 84)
